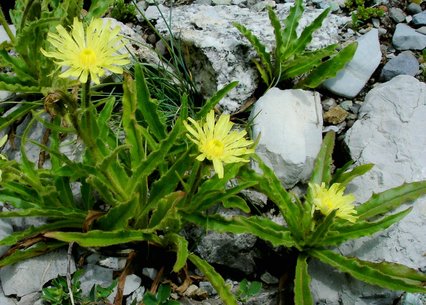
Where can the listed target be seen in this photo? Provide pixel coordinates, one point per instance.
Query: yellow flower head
(328, 200)
(87, 52)
(217, 143)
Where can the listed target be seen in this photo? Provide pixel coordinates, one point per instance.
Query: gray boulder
(220, 54)
(403, 64)
(29, 276)
(407, 38)
(388, 134)
(289, 123)
(350, 80)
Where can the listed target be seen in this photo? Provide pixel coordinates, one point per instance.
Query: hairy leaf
(322, 167)
(212, 102)
(391, 199)
(302, 291)
(344, 177)
(374, 273)
(329, 68)
(215, 279)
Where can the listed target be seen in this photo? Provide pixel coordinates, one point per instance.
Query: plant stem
(6, 27)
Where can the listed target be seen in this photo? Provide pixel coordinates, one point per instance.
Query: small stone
(414, 8)
(114, 263)
(419, 19)
(150, 273)
(131, 283)
(190, 291)
(412, 299)
(137, 296)
(346, 105)
(397, 14)
(328, 103)
(95, 275)
(335, 115)
(403, 64)
(207, 286)
(269, 279)
(406, 38)
(221, 2)
(376, 22)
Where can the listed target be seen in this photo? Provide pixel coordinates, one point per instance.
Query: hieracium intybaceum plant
(136, 178)
(290, 63)
(25, 71)
(325, 218)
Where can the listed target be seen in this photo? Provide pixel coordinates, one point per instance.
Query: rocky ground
(377, 106)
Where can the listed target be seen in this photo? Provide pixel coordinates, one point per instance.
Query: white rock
(29, 276)
(289, 123)
(350, 80)
(4, 37)
(220, 54)
(388, 134)
(30, 299)
(4, 300)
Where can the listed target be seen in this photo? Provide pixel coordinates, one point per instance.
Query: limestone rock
(15, 279)
(5, 230)
(222, 249)
(351, 79)
(420, 18)
(4, 300)
(387, 135)
(289, 123)
(407, 38)
(220, 54)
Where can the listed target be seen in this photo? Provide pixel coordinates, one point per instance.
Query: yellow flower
(328, 200)
(217, 143)
(87, 52)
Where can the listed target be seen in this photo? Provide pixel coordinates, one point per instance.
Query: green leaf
(44, 212)
(181, 248)
(302, 291)
(306, 36)
(98, 238)
(329, 68)
(36, 250)
(147, 106)
(344, 177)
(147, 166)
(211, 102)
(15, 237)
(270, 185)
(264, 56)
(259, 226)
(163, 293)
(165, 210)
(373, 273)
(98, 8)
(305, 62)
(275, 22)
(18, 113)
(321, 230)
(359, 229)
(215, 279)
(322, 167)
(236, 202)
(289, 34)
(391, 199)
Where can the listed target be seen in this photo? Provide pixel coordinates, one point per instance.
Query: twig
(69, 273)
(122, 279)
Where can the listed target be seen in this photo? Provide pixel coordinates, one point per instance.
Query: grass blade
(302, 291)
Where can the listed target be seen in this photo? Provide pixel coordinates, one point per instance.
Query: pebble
(406, 38)
(414, 8)
(403, 64)
(421, 30)
(335, 115)
(419, 18)
(328, 103)
(397, 14)
(346, 105)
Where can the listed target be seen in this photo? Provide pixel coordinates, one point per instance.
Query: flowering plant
(326, 217)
